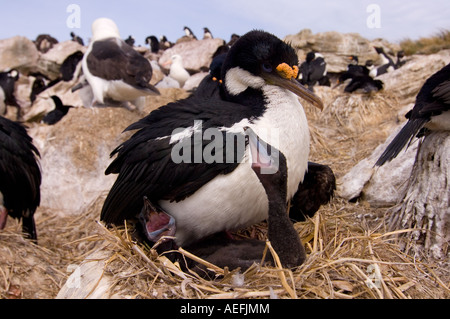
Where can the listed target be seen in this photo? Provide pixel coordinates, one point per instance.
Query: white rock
(88, 279)
(380, 186)
(19, 53)
(194, 80)
(196, 54)
(168, 82)
(50, 62)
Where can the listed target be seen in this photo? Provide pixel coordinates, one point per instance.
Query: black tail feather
(406, 134)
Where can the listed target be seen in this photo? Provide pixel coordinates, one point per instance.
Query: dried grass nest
(349, 256)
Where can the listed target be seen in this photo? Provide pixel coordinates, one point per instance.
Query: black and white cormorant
(20, 176)
(44, 42)
(364, 83)
(114, 69)
(233, 38)
(130, 41)
(69, 65)
(39, 85)
(401, 59)
(386, 65)
(7, 85)
(76, 38)
(189, 33)
(314, 70)
(431, 111)
(354, 69)
(213, 188)
(358, 78)
(153, 42)
(164, 44)
(211, 83)
(207, 34)
(55, 115)
(221, 249)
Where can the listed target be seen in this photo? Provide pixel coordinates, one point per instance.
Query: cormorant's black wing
(432, 99)
(20, 175)
(148, 163)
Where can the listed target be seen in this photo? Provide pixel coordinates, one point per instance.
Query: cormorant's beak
(285, 77)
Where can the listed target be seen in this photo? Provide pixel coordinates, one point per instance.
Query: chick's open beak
(285, 77)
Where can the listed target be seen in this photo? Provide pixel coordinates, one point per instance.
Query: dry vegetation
(350, 253)
(427, 45)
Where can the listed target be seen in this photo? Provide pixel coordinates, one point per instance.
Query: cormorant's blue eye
(267, 67)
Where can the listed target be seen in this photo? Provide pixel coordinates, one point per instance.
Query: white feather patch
(238, 80)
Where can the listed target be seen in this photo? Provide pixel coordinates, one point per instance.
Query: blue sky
(397, 19)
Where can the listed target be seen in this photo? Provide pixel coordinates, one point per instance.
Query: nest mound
(349, 256)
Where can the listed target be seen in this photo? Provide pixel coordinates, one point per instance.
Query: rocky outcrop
(196, 54)
(406, 82)
(18, 53)
(380, 186)
(50, 62)
(337, 47)
(385, 186)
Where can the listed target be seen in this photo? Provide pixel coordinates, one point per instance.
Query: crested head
(260, 59)
(258, 51)
(255, 55)
(103, 28)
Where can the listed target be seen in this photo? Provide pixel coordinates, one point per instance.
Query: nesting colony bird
(313, 70)
(189, 33)
(210, 85)
(42, 82)
(130, 41)
(355, 68)
(44, 42)
(20, 176)
(7, 86)
(364, 84)
(386, 65)
(401, 59)
(233, 38)
(207, 34)
(76, 38)
(224, 251)
(431, 111)
(114, 69)
(153, 42)
(57, 113)
(39, 86)
(317, 189)
(214, 188)
(69, 66)
(164, 44)
(177, 70)
(359, 76)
